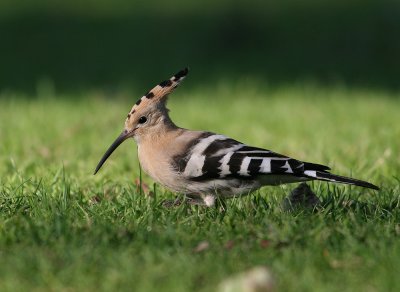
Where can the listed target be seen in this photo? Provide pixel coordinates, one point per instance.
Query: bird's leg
(208, 200)
(173, 203)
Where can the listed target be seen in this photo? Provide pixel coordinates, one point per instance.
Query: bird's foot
(204, 200)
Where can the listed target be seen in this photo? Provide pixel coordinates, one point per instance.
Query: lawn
(61, 228)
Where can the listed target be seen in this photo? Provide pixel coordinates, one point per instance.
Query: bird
(205, 166)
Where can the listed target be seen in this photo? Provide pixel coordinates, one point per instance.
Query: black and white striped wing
(216, 157)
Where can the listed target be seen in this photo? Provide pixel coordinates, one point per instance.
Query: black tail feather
(315, 166)
(326, 176)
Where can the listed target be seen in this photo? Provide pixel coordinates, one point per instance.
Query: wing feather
(228, 158)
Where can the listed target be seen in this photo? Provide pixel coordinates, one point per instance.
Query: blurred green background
(322, 78)
(79, 45)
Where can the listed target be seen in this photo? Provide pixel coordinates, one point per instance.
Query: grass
(61, 228)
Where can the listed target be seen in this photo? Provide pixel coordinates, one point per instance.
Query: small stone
(265, 243)
(256, 279)
(202, 246)
(229, 244)
(303, 197)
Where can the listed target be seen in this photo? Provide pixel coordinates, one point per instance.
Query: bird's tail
(326, 176)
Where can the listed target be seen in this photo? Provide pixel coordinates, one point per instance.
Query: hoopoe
(204, 165)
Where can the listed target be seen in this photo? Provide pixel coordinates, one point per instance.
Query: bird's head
(147, 115)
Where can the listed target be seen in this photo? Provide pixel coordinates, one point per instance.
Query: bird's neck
(164, 127)
(166, 124)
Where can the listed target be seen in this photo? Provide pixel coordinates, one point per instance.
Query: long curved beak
(121, 138)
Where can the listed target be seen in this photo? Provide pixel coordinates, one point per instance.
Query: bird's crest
(160, 92)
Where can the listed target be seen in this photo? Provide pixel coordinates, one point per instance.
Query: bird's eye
(142, 120)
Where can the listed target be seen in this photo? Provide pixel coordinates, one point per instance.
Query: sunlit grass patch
(63, 228)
